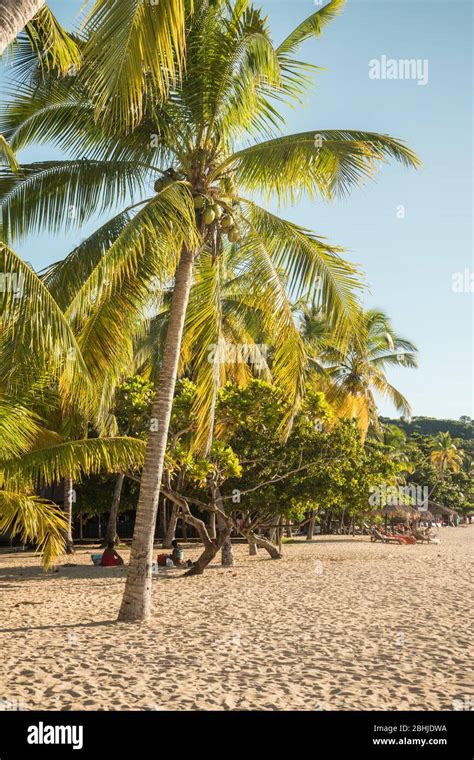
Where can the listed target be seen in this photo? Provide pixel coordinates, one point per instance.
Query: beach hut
(440, 511)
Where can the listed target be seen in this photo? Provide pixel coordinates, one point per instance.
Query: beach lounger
(406, 539)
(377, 535)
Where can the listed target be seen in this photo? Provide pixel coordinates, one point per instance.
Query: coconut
(199, 201)
(209, 216)
(233, 235)
(227, 222)
(217, 210)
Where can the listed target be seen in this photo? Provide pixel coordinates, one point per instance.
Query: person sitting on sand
(110, 557)
(177, 555)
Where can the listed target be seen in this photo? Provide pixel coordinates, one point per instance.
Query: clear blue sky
(408, 262)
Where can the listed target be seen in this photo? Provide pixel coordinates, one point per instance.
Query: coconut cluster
(220, 212)
(210, 208)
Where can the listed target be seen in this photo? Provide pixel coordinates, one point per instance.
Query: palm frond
(74, 459)
(54, 47)
(19, 427)
(147, 247)
(311, 26)
(38, 330)
(269, 296)
(33, 520)
(8, 155)
(64, 278)
(312, 267)
(60, 195)
(130, 45)
(322, 163)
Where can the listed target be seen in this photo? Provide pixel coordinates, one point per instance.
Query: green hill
(463, 428)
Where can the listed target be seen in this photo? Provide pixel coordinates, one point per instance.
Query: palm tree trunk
(14, 16)
(136, 602)
(111, 532)
(68, 501)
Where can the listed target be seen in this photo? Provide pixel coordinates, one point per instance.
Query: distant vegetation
(462, 428)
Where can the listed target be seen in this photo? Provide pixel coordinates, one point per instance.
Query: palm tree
(357, 373)
(445, 455)
(233, 77)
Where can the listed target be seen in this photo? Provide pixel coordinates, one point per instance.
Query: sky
(410, 230)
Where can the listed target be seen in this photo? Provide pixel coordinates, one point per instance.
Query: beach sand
(338, 624)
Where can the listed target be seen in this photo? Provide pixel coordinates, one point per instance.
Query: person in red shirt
(110, 557)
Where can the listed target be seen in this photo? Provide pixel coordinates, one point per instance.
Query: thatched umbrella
(400, 512)
(423, 515)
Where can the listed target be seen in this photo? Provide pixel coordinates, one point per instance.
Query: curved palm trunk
(111, 532)
(14, 16)
(68, 501)
(136, 602)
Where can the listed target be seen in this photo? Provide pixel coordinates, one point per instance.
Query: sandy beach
(339, 623)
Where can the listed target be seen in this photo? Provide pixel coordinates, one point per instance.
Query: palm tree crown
(359, 372)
